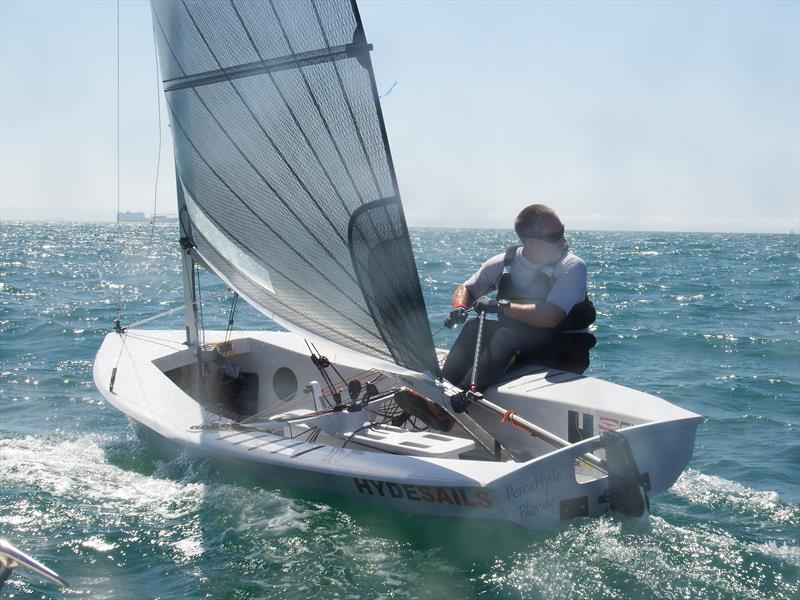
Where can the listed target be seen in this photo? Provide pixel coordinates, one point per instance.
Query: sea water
(710, 322)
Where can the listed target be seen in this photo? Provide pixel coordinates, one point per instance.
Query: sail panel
(378, 245)
(279, 146)
(290, 298)
(277, 253)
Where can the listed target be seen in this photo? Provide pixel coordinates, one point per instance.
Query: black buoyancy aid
(580, 316)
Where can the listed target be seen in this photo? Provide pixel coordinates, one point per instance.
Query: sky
(633, 115)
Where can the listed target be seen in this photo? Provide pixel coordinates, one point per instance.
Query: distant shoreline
(426, 227)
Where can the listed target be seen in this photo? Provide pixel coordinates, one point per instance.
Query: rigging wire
(199, 304)
(154, 340)
(154, 317)
(119, 292)
(124, 333)
(201, 363)
(158, 160)
(117, 42)
(232, 311)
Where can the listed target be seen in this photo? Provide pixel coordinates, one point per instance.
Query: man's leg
(457, 368)
(498, 350)
(459, 359)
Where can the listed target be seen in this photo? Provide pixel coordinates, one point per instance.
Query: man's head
(541, 233)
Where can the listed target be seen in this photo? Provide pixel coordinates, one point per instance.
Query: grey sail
(285, 170)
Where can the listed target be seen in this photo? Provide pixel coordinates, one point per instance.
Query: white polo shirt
(569, 278)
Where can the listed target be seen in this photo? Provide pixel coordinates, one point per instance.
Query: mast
(187, 265)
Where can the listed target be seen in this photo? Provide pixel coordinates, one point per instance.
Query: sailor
(541, 291)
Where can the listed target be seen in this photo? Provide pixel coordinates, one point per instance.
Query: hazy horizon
(510, 228)
(658, 116)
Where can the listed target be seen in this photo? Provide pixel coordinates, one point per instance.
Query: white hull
(536, 492)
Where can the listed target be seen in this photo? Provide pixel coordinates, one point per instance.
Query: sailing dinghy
(287, 193)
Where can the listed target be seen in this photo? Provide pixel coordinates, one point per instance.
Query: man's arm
(461, 297)
(543, 314)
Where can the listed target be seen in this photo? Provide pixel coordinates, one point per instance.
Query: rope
(316, 359)
(508, 417)
(362, 428)
(474, 377)
(333, 366)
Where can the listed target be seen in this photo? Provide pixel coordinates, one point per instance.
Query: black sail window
(386, 270)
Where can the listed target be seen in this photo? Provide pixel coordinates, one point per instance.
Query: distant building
(138, 217)
(130, 216)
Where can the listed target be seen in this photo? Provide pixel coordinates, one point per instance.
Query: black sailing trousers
(500, 342)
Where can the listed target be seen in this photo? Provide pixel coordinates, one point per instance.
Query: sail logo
(423, 493)
(534, 494)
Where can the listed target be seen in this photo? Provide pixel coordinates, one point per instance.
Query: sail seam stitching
(288, 307)
(334, 187)
(319, 110)
(257, 216)
(255, 169)
(349, 106)
(278, 271)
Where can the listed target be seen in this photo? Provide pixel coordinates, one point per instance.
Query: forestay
(284, 165)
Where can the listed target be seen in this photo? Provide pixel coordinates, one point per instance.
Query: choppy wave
(610, 560)
(179, 513)
(717, 493)
(708, 322)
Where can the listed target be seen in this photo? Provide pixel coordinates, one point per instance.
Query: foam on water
(100, 511)
(714, 492)
(607, 559)
(75, 471)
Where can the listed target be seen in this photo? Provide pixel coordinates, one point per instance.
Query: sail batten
(291, 211)
(347, 100)
(266, 66)
(261, 128)
(317, 105)
(283, 158)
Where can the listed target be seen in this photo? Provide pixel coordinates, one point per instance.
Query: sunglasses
(549, 237)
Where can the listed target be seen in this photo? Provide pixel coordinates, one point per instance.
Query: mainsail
(285, 170)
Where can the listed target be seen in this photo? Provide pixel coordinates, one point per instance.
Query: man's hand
(484, 304)
(457, 316)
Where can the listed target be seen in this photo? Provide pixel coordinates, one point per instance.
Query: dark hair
(529, 219)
